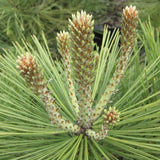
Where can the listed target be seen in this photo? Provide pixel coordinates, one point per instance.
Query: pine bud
(30, 71)
(128, 29)
(111, 117)
(63, 43)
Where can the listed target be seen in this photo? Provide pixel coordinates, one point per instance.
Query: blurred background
(21, 19)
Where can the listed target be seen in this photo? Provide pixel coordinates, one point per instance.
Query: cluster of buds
(110, 117)
(80, 61)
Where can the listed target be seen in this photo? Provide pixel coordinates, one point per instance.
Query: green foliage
(23, 18)
(25, 129)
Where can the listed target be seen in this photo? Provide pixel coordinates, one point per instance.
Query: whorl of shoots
(77, 50)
